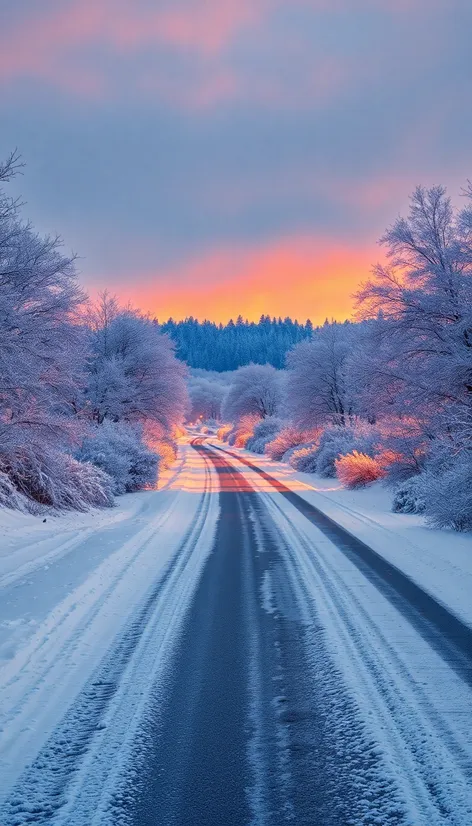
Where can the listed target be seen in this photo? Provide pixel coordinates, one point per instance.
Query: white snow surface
(69, 585)
(440, 561)
(415, 708)
(72, 587)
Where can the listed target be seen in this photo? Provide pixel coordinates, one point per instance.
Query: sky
(217, 157)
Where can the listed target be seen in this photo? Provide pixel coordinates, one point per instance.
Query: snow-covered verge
(438, 560)
(68, 588)
(413, 698)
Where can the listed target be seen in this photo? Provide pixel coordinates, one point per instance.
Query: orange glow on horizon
(301, 278)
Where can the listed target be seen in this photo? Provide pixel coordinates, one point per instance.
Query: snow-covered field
(70, 584)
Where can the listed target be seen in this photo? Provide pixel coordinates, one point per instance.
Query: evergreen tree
(220, 347)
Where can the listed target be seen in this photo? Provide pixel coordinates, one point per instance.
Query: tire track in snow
(432, 761)
(443, 630)
(67, 623)
(401, 706)
(72, 765)
(251, 732)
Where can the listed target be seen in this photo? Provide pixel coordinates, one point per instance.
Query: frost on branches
(419, 363)
(390, 395)
(65, 370)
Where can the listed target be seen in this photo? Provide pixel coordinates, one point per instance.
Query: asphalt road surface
(288, 675)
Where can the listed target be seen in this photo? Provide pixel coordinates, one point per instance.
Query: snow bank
(438, 560)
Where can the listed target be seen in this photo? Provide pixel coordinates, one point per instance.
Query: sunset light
(235, 413)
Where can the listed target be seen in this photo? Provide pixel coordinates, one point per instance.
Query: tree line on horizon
(387, 397)
(92, 395)
(210, 346)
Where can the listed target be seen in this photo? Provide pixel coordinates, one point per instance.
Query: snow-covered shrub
(264, 432)
(356, 470)
(165, 447)
(11, 498)
(290, 436)
(166, 450)
(223, 432)
(87, 486)
(334, 443)
(55, 479)
(409, 497)
(303, 457)
(404, 450)
(178, 432)
(448, 495)
(243, 430)
(118, 449)
(338, 441)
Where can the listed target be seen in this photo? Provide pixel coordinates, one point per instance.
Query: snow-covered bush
(409, 497)
(303, 457)
(223, 432)
(166, 450)
(86, 486)
(404, 450)
(334, 442)
(264, 432)
(243, 430)
(356, 470)
(55, 479)
(338, 441)
(443, 491)
(118, 449)
(165, 447)
(290, 436)
(11, 498)
(448, 496)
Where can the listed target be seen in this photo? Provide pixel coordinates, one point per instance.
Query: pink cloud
(52, 46)
(298, 276)
(206, 27)
(74, 46)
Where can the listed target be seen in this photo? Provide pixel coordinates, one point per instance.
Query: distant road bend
(278, 670)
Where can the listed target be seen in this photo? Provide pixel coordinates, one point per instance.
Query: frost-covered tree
(226, 347)
(41, 345)
(119, 451)
(319, 391)
(42, 355)
(206, 397)
(134, 375)
(255, 390)
(420, 356)
(419, 362)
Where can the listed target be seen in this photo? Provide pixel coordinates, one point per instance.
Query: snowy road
(225, 653)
